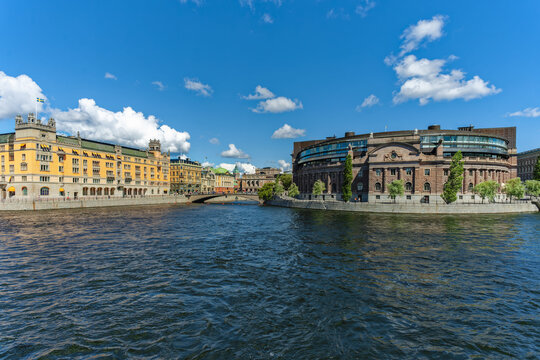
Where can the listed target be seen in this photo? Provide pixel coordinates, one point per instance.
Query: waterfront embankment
(491, 208)
(52, 204)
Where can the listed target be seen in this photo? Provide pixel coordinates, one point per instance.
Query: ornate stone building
(421, 158)
(253, 182)
(526, 161)
(38, 162)
(208, 180)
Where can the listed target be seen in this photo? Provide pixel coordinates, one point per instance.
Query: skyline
(244, 93)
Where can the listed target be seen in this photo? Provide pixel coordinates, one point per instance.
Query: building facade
(185, 176)
(421, 158)
(208, 181)
(224, 182)
(526, 162)
(36, 162)
(253, 182)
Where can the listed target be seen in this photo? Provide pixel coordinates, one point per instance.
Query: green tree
(347, 179)
(286, 180)
(455, 179)
(536, 173)
(533, 187)
(487, 189)
(278, 188)
(514, 188)
(293, 190)
(318, 187)
(266, 192)
(395, 189)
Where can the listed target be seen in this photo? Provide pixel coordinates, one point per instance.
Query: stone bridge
(200, 198)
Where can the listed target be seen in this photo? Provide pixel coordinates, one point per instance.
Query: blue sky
(449, 63)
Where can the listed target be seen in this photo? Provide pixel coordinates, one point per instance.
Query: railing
(83, 197)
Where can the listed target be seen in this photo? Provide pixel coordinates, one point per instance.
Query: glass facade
(476, 145)
(335, 151)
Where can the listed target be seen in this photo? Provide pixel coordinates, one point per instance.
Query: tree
(278, 188)
(266, 192)
(455, 179)
(286, 180)
(395, 189)
(293, 190)
(533, 187)
(318, 187)
(347, 179)
(536, 172)
(514, 188)
(487, 189)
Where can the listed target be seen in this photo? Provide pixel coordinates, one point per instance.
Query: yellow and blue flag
(40, 100)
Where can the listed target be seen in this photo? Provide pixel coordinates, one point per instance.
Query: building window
(95, 181)
(24, 166)
(378, 186)
(408, 171)
(471, 187)
(409, 197)
(427, 172)
(377, 197)
(24, 191)
(44, 178)
(44, 191)
(393, 172)
(378, 172)
(24, 178)
(11, 168)
(75, 180)
(427, 187)
(23, 157)
(60, 179)
(408, 186)
(445, 172)
(470, 173)
(360, 186)
(61, 169)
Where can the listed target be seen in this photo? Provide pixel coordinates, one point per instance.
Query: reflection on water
(237, 281)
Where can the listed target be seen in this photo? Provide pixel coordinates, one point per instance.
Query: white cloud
(198, 87)
(214, 141)
(370, 101)
(284, 165)
(233, 152)
(364, 7)
(277, 105)
(126, 127)
(207, 164)
(245, 168)
(288, 132)
(260, 93)
(267, 19)
(428, 30)
(108, 75)
(424, 80)
(528, 112)
(18, 95)
(159, 85)
(183, 157)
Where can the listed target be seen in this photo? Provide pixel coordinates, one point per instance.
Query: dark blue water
(251, 282)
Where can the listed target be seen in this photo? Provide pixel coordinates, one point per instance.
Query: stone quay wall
(493, 208)
(59, 203)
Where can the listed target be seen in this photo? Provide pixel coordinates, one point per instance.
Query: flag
(40, 100)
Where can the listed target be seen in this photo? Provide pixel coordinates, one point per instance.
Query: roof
(221, 170)
(4, 138)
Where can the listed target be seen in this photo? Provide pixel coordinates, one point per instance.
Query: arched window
(24, 191)
(377, 186)
(408, 186)
(44, 191)
(471, 187)
(360, 186)
(427, 187)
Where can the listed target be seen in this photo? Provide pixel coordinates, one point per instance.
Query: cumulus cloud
(18, 95)
(277, 105)
(108, 75)
(234, 152)
(245, 168)
(260, 93)
(126, 127)
(364, 6)
(284, 165)
(288, 132)
(214, 141)
(198, 87)
(266, 18)
(423, 30)
(159, 85)
(425, 80)
(207, 164)
(368, 102)
(528, 112)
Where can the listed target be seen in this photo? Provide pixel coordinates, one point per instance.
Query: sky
(238, 81)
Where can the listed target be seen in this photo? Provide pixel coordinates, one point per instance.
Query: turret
(154, 145)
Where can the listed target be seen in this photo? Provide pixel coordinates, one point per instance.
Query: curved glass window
(334, 150)
(466, 142)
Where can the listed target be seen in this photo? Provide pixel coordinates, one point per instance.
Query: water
(251, 282)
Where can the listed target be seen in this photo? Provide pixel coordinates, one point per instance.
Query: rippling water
(251, 282)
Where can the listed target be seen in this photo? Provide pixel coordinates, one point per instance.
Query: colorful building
(36, 162)
(253, 182)
(224, 181)
(208, 181)
(185, 176)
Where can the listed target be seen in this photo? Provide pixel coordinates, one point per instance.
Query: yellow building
(37, 162)
(224, 182)
(185, 176)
